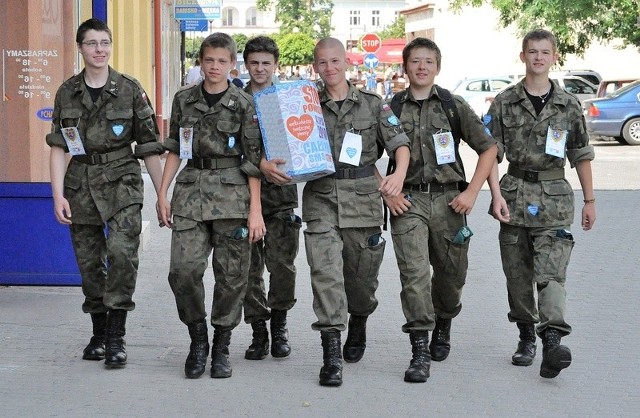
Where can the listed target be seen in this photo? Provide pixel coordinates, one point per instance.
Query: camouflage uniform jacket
(420, 123)
(353, 203)
(514, 124)
(276, 198)
(121, 115)
(228, 129)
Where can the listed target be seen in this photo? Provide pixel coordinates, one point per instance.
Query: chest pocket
(367, 130)
(70, 117)
(119, 123)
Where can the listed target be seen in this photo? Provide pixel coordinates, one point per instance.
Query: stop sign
(370, 42)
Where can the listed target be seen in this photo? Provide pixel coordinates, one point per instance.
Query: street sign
(370, 42)
(194, 25)
(371, 61)
(197, 9)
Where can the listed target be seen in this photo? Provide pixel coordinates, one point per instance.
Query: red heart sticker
(300, 127)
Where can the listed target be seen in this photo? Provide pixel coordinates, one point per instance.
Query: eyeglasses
(93, 44)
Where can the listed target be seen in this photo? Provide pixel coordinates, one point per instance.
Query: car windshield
(623, 90)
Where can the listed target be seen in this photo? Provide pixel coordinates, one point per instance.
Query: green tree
(575, 23)
(395, 30)
(311, 17)
(192, 47)
(295, 48)
(241, 40)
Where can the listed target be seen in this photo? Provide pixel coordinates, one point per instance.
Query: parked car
(591, 76)
(609, 86)
(616, 115)
(580, 87)
(480, 92)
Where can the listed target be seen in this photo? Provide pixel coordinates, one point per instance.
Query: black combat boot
(198, 351)
(440, 340)
(418, 371)
(526, 350)
(259, 347)
(331, 371)
(95, 349)
(279, 335)
(115, 353)
(220, 366)
(555, 357)
(353, 349)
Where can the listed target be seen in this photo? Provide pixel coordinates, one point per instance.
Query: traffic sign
(197, 9)
(194, 25)
(370, 42)
(371, 61)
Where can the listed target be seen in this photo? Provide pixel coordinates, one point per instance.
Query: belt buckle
(531, 176)
(95, 159)
(425, 187)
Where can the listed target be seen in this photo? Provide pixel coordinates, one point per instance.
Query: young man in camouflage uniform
(215, 203)
(279, 248)
(540, 126)
(433, 207)
(344, 212)
(97, 115)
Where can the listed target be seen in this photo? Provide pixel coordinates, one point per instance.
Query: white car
(480, 92)
(580, 87)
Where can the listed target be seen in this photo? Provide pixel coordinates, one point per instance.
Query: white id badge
(351, 149)
(445, 151)
(556, 142)
(72, 138)
(186, 143)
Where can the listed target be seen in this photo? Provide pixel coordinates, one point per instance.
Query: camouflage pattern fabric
(531, 250)
(108, 288)
(228, 129)
(110, 193)
(191, 246)
(209, 205)
(278, 250)
(344, 272)
(421, 122)
(121, 116)
(430, 220)
(513, 123)
(343, 215)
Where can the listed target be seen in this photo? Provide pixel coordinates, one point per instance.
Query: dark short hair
(219, 40)
(539, 35)
(421, 43)
(261, 44)
(92, 24)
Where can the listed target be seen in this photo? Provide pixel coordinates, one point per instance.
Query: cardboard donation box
(293, 129)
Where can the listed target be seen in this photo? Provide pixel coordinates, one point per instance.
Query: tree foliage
(575, 23)
(295, 48)
(395, 30)
(241, 40)
(310, 17)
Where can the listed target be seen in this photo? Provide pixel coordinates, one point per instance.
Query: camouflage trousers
(344, 265)
(108, 260)
(191, 245)
(278, 250)
(536, 259)
(423, 237)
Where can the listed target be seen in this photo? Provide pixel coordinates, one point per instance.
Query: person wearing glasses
(98, 115)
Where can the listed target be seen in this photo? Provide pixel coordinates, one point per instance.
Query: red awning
(391, 51)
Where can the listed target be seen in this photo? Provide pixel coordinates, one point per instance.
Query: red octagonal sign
(370, 42)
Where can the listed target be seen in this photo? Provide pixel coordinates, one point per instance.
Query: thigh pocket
(554, 265)
(508, 250)
(371, 254)
(235, 252)
(409, 243)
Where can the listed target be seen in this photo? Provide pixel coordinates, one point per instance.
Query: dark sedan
(616, 115)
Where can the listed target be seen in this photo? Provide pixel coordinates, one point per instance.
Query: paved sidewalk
(43, 332)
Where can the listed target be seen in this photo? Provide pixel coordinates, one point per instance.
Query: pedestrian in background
(343, 211)
(215, 203)
(540, 126)
(279, 248)
(428, 223)
(194, 75)
(98, 114)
